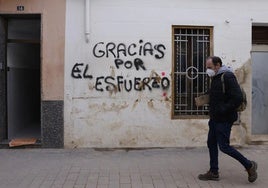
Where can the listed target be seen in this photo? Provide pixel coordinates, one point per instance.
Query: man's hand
(201, 100)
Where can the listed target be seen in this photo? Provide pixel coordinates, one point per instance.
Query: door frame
(257, 137)
(3, 81)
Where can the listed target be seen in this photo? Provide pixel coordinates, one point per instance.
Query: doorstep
(4, 144)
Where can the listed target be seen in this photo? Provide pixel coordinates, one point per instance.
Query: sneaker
(252, 172)
(209, 176)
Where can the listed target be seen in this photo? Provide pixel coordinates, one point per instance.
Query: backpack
(243, 104)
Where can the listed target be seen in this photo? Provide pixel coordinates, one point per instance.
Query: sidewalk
(153, 168)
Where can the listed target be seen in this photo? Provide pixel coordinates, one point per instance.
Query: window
(191, 47)
(260, 35)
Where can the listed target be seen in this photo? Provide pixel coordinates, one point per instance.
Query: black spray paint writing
(77, 72)
(109, 83)
(138, 64)
(119, 51)
(113, 50)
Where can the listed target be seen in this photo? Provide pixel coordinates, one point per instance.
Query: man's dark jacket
(223, 105)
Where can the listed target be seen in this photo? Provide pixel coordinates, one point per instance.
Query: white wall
(143, 118)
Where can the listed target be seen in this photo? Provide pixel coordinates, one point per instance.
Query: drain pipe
(87, 20)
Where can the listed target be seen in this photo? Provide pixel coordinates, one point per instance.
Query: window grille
(191, 47)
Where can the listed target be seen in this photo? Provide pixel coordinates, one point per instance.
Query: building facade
(125, 73)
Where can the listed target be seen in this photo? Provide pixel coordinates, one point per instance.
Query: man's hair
(215, 60)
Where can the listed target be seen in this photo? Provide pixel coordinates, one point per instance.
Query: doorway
(21, 67)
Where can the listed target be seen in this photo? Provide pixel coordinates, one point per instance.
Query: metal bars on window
(191, 48)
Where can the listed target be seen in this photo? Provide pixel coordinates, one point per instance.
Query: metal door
(3, 104)
(259, 93)
(23, 77)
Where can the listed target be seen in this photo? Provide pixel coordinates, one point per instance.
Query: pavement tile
(156, 168)
(124, 180)
(103, 181)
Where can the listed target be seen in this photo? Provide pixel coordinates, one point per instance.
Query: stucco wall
(52, 41)
(143, 118)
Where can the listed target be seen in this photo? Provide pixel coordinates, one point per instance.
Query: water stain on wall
(112, 71)
(115, 126)
(154, 75)
(167, 101)
(113, 90)
(150, 104)
(109, 107)
(128, 142)
(91, 86)
(129, 139)
(195, 131)
(96, 141)
(242, 72)
(76, 110)
(135, 104)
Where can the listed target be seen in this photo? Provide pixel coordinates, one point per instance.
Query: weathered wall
(52, 41)
(96, 118)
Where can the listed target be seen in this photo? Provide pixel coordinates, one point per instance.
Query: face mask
(210, 72)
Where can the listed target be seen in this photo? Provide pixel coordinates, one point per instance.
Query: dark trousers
(219, 134)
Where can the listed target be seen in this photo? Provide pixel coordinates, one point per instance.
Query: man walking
(222, 115)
